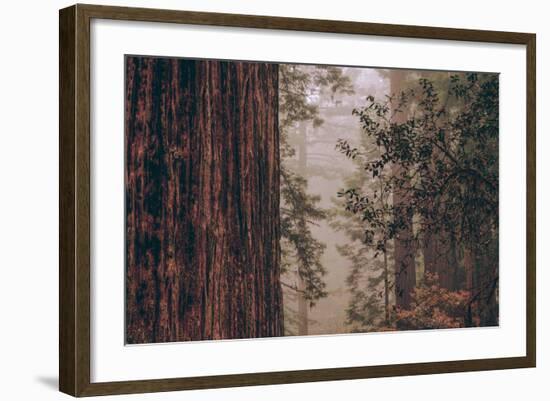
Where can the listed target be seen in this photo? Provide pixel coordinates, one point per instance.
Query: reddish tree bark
(202, 200)
(404, 252)
(437, 251)
(404, 249)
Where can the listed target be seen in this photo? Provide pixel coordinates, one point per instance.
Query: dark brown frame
(74, 199)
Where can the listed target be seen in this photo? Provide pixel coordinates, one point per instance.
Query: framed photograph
(250, 200)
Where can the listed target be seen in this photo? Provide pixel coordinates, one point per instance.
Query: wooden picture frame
(74, 200)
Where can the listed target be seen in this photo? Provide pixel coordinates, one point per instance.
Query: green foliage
(365, 281)
(299, 87)
(369, 280)
(436, 142)
(299, 246)
(447, 158)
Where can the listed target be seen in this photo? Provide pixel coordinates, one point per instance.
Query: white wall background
(29, 185)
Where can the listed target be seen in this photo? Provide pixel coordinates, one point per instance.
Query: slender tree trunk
(387, 317)
(405, 271)
(386, 287)
(404, 249)
(202, 200)
(429, 250)
(469, 267)
(482, 281)
(303, 307)
(437, 244)
(488, 279)
(436, 247)
(453, 264)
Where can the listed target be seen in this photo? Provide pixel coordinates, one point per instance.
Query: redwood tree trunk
(202, 200)
(404, 249)
(437, 255)
(403, 254)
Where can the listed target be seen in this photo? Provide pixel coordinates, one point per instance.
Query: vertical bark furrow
(404, 246)
(202, 202)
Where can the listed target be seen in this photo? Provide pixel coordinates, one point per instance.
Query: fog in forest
(325, 170)
(265, 199)
(368, 156)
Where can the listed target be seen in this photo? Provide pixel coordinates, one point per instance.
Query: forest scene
(267, 200)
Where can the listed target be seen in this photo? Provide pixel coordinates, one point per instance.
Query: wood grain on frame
(74, 212)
